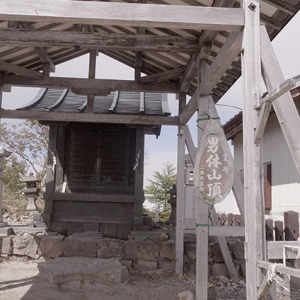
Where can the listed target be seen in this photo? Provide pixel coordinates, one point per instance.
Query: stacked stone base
(143, 255)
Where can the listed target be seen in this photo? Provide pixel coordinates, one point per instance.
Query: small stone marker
(213, 165)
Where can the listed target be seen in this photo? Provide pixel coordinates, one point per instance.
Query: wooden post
(285, 109)
(139, 172)
(202, 232)
(291, 225)
(251, 68)
(180, 201)
(269, 230)
(279, 231)
(51, 169)
(92, 75)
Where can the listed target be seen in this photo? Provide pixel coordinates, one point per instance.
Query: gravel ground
(20, 280)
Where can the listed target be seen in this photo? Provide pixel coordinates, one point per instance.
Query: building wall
(285, 179)
(97, 184)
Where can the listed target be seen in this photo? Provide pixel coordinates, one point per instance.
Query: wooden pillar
(92, 75)
(254, 215)
(139, 172)
(51, 169)
(284, 107)
(202, 218)
(3, 153)
(180, 191)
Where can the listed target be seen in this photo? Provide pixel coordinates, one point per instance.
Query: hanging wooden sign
(213, 172)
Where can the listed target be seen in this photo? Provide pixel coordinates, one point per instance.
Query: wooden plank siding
(98, 157)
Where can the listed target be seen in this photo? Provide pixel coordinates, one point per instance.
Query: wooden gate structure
(170, 42)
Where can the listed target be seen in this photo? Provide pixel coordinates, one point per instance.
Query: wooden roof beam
(226, 56)
(139, 54)
(40, 51)
(11, 68)
(162, 76)
(206, 37)
(89, 117)
(89, 86)
(283, 6)
(94, 40)
(191, 70)
(124, 14)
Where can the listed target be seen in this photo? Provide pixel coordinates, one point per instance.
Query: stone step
(83, 271)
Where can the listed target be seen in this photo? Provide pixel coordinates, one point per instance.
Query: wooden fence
(287, 230)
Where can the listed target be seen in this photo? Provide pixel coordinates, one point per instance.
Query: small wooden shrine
(95, 171)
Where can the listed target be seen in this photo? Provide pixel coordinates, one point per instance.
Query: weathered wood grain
(100, 41)
(123, 14)
(92, 85)
(254, 219)
(226, 56)
(90, 118)
(4, 66)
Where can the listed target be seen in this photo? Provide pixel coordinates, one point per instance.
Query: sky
(164, 149)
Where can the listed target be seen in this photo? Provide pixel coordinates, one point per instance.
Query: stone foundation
(144, 255)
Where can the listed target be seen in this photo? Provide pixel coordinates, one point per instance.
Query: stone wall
(144, 255)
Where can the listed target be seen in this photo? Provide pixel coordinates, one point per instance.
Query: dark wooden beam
(226, 56)
(89, 117)
(4, 66)
(93, 40)
(41, 51)
(123, 14)
(90, 85)
(162, 76)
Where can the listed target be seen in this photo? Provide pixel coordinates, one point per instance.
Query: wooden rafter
(4, 66)
(89, 117)
(41, 51)
(124, 14)
(162, 76)
(226, 56)
(100, 41)
(91, 86)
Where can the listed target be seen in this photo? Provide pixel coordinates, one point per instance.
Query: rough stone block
(126, 263)
(145, 265)
(166, 265)
(190, 250)
(6, 231)
(123, 231)
(5, 245)
(51, 246)
(168, 250)
(109, 230)
(41, 224)
(74, 227)
(85, 247)
(25, 245)
(36, 216)
(186, 295)
(83, 272)
(59, 227)
(219, 269)
(238, 251)
(141, 250)
(107, 248)
(91, 227)
(88, 234)
(216, 253)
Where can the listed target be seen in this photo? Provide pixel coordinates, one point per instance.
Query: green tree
(29, 141)
(157, 191)
(13, 171)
